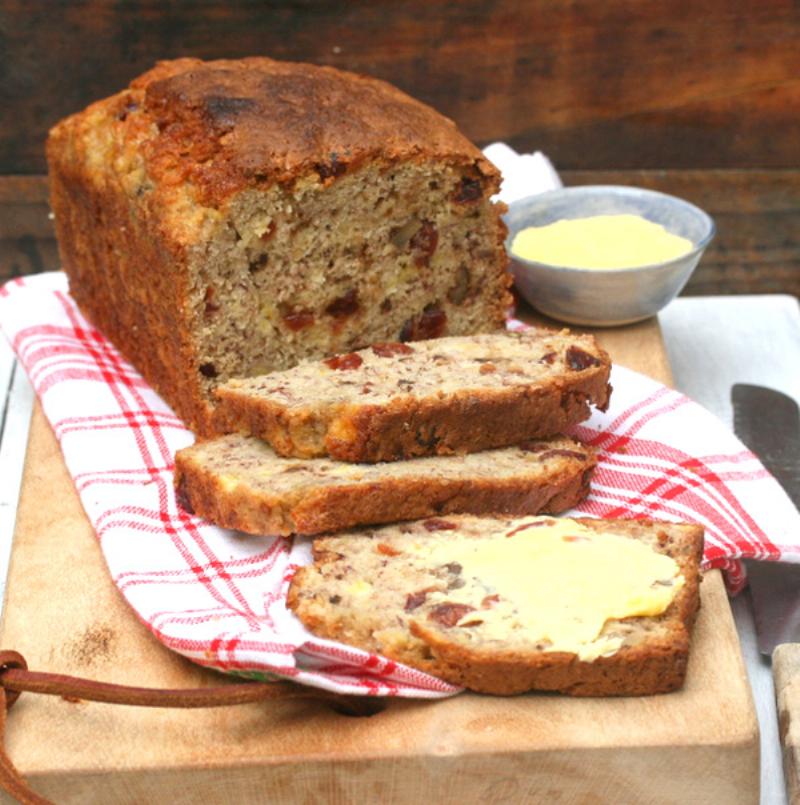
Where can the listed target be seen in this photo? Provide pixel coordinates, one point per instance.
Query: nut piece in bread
(447, 395)
(229, 218)
(239, 482)
(410, 592)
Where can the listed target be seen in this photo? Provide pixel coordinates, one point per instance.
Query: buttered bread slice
(437, 397)
(239, 482)
(509, 604)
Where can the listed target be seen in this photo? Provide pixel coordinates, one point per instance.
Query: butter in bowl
(604, 255)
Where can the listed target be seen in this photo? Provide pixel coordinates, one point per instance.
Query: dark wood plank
(27, 255)
(27, 240)
(757, 248)
(612, 84)
(23, 202)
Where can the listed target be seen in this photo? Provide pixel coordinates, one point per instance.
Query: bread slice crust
(652, 659)
(239, 482)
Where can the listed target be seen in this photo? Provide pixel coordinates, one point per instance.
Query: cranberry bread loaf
(239, 482)
(230, 218)
(505, 604)
(446, 395)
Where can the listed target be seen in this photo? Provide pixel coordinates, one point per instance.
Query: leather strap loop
(11, 780)
(15, 678)
(9, 660)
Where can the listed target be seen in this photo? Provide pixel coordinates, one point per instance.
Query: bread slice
(436, 397)
(407, 592)
(239, 482)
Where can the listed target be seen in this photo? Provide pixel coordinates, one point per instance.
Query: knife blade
(768, 422)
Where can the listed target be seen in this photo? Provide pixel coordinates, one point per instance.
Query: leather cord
(15, 678)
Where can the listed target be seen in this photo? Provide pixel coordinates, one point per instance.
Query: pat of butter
(359, 588)
(561, 582)
(601, 242)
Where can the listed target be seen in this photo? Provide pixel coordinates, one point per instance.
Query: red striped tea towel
(217, 596)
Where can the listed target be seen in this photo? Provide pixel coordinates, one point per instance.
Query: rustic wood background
(698, 99)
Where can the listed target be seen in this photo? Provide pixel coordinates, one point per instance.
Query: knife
(768, 422)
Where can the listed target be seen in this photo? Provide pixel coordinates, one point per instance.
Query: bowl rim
(632, 190)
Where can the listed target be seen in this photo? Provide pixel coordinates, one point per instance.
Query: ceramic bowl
(606, 297)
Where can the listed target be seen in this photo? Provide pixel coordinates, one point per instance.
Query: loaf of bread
(505, 605)
(443, 396)
(230, 218)
(239, 482)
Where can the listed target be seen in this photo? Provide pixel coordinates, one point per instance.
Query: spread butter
(559, 581)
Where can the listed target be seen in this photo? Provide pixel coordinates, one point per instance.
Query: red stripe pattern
(218, 597)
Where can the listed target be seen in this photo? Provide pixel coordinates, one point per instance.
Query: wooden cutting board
(699, 745)
(786, 670)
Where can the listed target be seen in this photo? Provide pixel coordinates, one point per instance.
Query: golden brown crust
(559, 482)
(144, 316)
(654, 662)
(231, 124)
(224, 125)
(658, 667)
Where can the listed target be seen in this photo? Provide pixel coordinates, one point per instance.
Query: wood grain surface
(62, 612)
(613, 84)
(786, 670)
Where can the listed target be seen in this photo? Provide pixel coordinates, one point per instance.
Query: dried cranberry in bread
(432, 594)
(239, 482)
(228, 218)
(447, 395)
